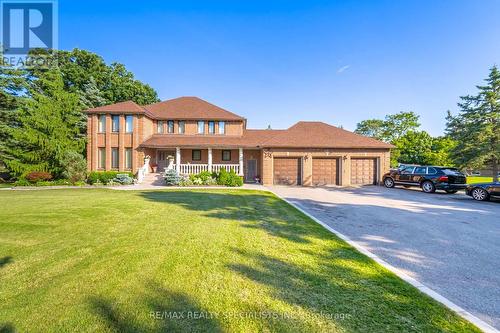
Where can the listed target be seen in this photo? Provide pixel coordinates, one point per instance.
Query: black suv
(429, 178)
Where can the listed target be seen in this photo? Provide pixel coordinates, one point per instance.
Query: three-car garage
(320, 170)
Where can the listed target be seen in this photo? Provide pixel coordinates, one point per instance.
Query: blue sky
(277, 62)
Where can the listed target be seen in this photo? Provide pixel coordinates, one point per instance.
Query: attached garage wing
(287, 171)
(363, 171)
(325, 171)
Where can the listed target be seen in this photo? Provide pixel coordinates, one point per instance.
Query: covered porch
(193, 160)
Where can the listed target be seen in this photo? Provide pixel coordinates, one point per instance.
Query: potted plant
(257, 179)
(154, 166)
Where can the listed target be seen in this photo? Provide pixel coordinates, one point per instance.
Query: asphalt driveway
(448, 242)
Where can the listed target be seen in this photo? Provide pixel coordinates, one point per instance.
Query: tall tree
(476, 128)
(47, 128)
(413, 147)
(13, 86)
(373, 128)
(391, 128)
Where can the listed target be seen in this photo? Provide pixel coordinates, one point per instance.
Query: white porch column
(178, 159)
(209, 159)
(241, 161)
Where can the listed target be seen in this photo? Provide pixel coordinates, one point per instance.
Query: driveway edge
(482, 325)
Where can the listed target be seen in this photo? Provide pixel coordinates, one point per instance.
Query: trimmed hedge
(104, 177)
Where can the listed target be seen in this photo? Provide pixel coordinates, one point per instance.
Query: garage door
(363, 171)
(325, 171)
(287, 171)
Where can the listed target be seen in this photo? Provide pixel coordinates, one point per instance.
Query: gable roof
(127, 106)
(316, 134)
(189, 108)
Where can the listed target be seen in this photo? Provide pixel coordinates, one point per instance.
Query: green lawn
(99, 260)
(475, 180)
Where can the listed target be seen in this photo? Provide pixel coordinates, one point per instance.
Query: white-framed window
(129, 124)
(211, 127)
(222, 127)
(114, 158)
(101, 158)
(102, 123)
(128, 158)
(115, 123)
(201, 127)
(170, 126)
(160, 127)
(182, 126)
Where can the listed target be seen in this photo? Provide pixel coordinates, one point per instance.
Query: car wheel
(389, 182)
(428, 187)
(479, 194)
(451, 191)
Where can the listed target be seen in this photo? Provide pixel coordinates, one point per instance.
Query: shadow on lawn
(348, 292)
(334, 280)
(5, 260)
(7, 328)
(257, 211)
(168, 311)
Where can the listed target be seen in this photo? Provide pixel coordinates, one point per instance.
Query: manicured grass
(475, 179)
(5, 185)
(100, 260)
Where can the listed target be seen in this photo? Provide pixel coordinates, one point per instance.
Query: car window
(431, 171)
(407, 170)
(451, 171)
(420, 170)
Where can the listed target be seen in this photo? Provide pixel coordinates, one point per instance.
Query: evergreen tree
(13, 85)
(48, 128)
(476, 128)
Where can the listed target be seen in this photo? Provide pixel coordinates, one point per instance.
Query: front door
(251, 170)
(162, 159)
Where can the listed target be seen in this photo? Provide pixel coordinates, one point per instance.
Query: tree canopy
(80, 80)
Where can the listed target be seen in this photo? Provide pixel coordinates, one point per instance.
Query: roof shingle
(127, 106)
(315, 134)
(189, 108)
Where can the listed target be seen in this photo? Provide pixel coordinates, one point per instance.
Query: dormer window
(170, 126)
(201, 127)
(222, 127)
(160, 127)
(211, 127)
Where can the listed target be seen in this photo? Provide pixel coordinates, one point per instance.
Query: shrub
(105, 177)
(124, 179)
(172, 178)
(185, 181)
(22, 182)
(233, 179)
(75, 167)
(223, 177)
(37, 176)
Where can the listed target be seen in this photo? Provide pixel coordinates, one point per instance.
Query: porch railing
(187, 169)
(228, 167)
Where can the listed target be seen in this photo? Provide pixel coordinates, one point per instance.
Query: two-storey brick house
(197, 135)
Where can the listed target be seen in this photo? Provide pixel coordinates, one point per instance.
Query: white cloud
(343, 68)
